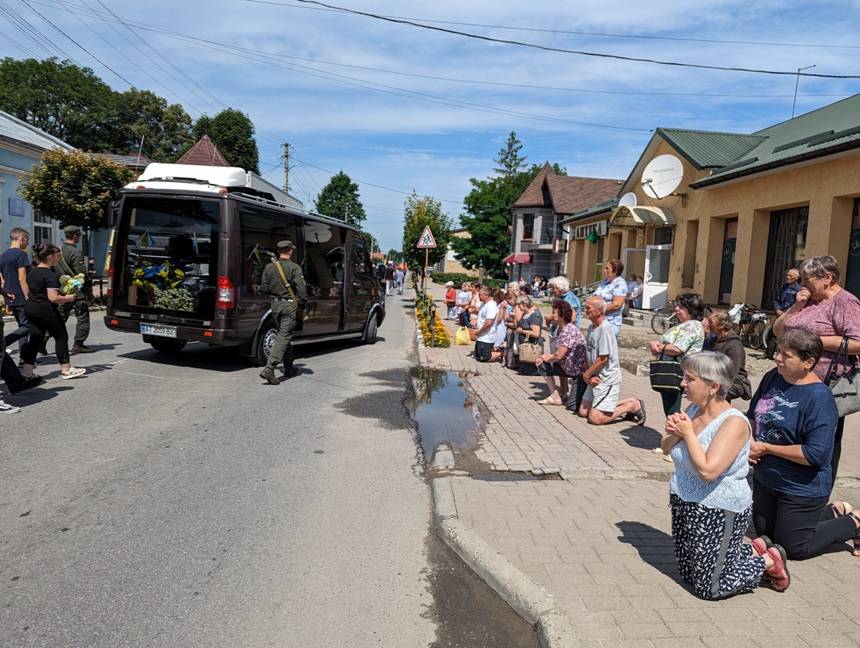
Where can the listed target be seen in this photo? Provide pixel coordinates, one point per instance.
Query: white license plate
(158, 330)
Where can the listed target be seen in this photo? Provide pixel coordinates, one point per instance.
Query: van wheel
(370, 330)
(265, 341)
(167, 346)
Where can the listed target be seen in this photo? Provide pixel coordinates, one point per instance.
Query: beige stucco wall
(828, 188)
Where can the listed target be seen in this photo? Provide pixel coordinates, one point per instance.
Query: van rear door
(166, 257)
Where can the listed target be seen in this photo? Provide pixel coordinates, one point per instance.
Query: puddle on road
(443, 410)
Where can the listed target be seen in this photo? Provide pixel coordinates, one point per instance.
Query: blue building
(21, 147)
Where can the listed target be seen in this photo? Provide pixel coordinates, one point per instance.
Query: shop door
(727, 266)
(634, 262)
(852, 270)
(656, 287)
(786, 248)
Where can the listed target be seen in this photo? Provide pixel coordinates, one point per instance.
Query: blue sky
(432, 143)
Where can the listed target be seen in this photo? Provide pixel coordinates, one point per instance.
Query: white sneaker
(6, 407)
(73, 372)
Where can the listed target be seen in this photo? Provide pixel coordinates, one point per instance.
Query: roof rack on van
(213, 178)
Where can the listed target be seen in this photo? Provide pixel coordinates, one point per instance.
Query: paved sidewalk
(598, 539)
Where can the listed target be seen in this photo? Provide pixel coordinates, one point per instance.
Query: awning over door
(519, 257)
(640, 216)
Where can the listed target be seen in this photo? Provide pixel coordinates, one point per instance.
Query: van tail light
(226, 294)
(109, 276)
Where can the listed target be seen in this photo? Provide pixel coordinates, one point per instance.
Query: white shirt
(488, 311)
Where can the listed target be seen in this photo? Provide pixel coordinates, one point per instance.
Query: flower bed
(433, 330)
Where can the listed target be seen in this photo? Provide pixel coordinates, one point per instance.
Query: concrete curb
(527, 598)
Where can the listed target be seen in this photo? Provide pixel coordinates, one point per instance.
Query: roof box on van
(211, 178)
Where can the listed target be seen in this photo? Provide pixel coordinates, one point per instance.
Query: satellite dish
(627, 200)
(662, 176)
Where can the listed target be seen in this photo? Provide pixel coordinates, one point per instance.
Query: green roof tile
(709, 150)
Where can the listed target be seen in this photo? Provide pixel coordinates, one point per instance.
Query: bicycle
(664, 318)
(751, 324)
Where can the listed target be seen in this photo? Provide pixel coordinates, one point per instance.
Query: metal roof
(708, 149)
(20, 132)
(828, 130)
(599, 208)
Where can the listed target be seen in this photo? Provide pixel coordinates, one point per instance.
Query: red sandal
(777, 573)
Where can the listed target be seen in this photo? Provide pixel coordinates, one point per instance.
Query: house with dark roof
(734, 211)
(538, 241)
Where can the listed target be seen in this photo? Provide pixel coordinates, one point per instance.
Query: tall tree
(62, 99)
(74, 187)
(510, 161)
(233, 134)
(339, 199)
(487, 219)
(164, 128)
(419, 213)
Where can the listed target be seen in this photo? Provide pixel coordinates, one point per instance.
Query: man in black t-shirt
(14, 264)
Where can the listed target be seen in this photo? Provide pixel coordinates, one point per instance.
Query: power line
(561, 50)
(81, 47)
(26, 50)
(418, 75)
(380, 87)
(574, 32)
(156, 52)
(30, 31)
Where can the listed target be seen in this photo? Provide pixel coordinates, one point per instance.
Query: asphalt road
(182, 502)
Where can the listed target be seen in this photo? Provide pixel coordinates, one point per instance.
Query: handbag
(666, 374)
(844, 387)
(529, 352)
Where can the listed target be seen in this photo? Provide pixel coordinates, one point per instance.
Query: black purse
(666, 374)
(845, 387)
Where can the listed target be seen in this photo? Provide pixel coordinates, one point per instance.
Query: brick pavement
(599, 541)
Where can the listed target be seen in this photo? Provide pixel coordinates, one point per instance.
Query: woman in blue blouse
(794, 421)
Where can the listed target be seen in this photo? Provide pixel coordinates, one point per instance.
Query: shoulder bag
(665, 374)
(844, 387)
(290, 290)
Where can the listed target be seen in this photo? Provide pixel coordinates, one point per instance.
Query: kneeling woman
(795, 425)
(567, 361)
(710, 498)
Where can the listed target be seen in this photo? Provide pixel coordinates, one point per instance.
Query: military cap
(286, 245)
(71, 230)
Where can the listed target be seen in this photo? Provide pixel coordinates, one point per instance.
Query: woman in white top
(710, 498)
(613, 291)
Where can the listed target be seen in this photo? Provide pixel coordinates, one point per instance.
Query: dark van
(187, 253)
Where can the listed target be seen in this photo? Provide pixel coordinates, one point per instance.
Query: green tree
(339, 199)
(488, 218)
(417, 214)
(233, 134)
(510, 161)
(394, 255)
(164, 128)
(74, 187)
(62, 99)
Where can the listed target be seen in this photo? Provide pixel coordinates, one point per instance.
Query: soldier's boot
(289, 370)
(268, 374)
(80, 347)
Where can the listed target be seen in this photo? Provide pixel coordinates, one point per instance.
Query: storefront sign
(582, 231)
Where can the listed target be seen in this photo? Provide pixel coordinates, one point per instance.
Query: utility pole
(796, 84)
(287, 167)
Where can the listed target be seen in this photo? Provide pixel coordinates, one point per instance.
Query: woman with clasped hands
(710, 498)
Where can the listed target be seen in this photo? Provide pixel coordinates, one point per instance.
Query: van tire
(267, 330)
(370, 329)
(166, 345)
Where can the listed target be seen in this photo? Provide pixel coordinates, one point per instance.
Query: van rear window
(171, 253)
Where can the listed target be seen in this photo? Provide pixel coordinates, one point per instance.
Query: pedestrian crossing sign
(426, 240)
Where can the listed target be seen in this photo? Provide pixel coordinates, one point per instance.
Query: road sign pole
(426, 262)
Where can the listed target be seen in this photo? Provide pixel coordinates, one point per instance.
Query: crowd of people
(31, 292)
(766, 469)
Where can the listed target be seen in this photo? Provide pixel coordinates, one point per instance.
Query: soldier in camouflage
(283, 281)
(72, 262)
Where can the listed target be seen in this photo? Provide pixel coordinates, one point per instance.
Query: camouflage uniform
(72, 262)
(284, 309)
